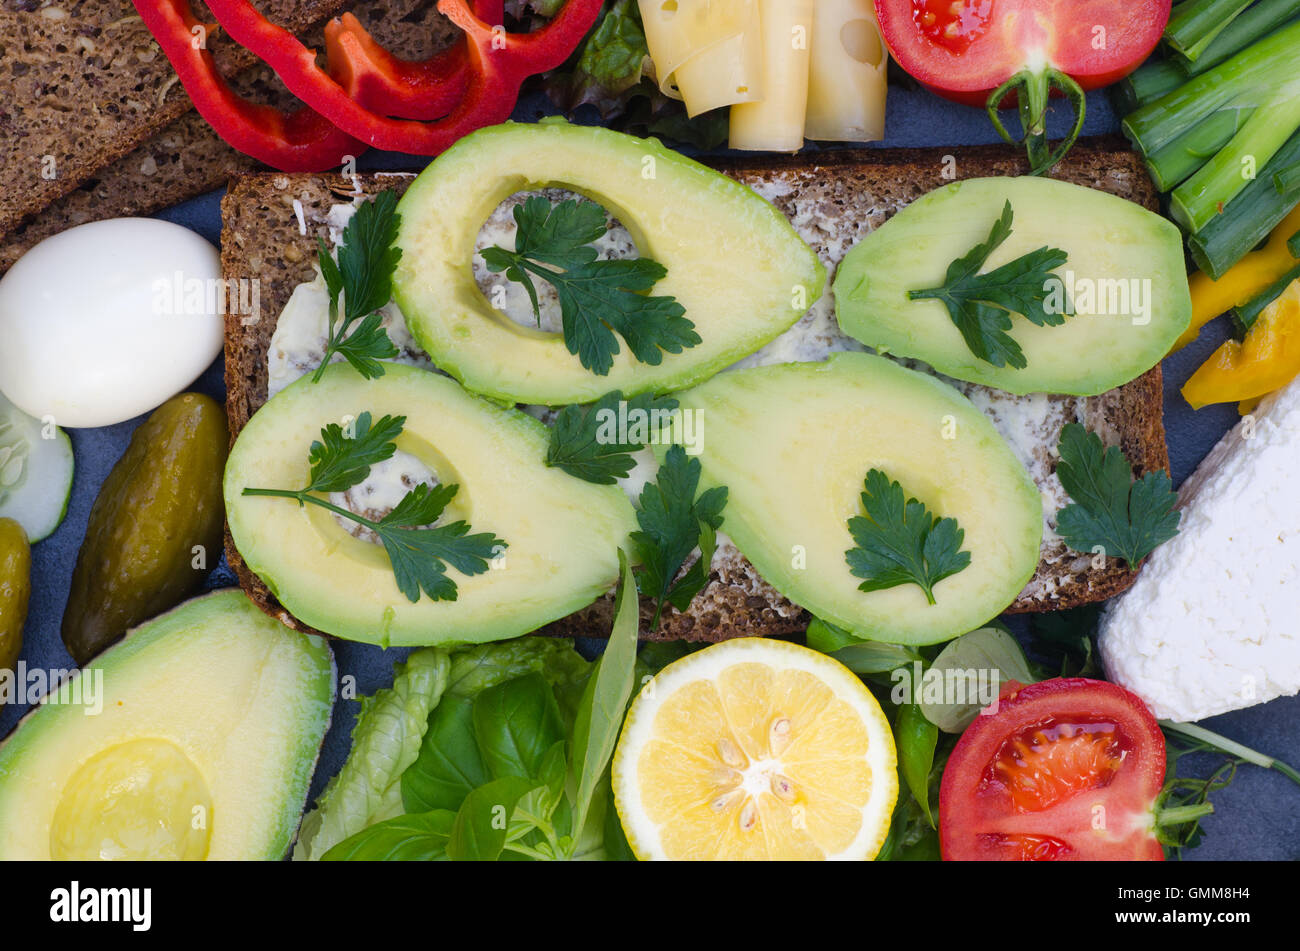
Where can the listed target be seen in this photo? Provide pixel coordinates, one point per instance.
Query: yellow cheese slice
(726, 74)
(677, 30)
(777, 122)
(846, 81)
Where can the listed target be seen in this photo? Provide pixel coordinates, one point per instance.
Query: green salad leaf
(513, 761)
(385, 741)
(419, 838)
(449, 765)
(515, 724)
(1125, 518)
(605, 700)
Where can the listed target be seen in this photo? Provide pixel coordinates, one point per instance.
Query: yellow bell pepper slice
(1266, 360)
(1244, 280)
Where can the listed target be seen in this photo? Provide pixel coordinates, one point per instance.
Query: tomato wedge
(1066, 770)
(979, 52)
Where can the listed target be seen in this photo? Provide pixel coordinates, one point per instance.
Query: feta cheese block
(1212, 623)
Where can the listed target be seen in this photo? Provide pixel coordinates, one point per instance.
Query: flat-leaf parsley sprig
(1109, 510)
(981, 305)
(580, 447)
(673, 522)
(597, 298)
(900, 541)
(418, 553)
(364, 278)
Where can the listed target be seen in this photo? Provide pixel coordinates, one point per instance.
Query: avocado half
(1124, 276)
(734, 262)
(194, 738)
(562, 534)
(793, 443)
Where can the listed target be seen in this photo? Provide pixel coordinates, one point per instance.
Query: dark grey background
(1258, 817)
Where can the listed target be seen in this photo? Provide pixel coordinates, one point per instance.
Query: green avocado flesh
(793, 444)
(1125, 275)
(734, 262)
(562, 534)
(194, 738)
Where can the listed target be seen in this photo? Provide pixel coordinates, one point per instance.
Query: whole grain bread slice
(188, 158)
(85, 84)
(271, 222)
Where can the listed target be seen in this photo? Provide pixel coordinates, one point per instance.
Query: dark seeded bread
(85, 84)
(858, 189)
(188, 158)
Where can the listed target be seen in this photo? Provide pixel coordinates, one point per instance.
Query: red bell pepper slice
(499, 62)
(385, 84)
(298, 141)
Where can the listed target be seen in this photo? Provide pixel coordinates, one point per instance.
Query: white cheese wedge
(1213, 622)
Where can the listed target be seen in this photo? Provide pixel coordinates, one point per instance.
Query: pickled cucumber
(35, 471)
(155, 529)
(15, 589)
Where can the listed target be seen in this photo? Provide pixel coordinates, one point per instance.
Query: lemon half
(755, 749)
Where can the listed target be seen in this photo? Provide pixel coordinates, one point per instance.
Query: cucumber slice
(35, 472)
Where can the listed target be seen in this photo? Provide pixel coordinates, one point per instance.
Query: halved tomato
(1066, 769)
(981, 52)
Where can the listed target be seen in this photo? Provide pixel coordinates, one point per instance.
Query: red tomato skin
(1065, 31)
(973, 821)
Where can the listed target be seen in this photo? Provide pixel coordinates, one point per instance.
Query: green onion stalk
(1260, 91)
(1194, 24)
(1157, 77)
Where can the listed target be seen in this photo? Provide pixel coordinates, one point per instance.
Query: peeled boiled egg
(108, 320)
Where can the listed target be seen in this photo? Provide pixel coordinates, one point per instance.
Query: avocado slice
(793, 443)
(562, 534)
(1124, 273)
(194, 738)
(734, 262)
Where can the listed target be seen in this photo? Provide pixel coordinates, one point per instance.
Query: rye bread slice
(188, 158)
(853, 191)
(85, 84)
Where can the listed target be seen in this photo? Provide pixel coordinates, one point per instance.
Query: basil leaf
(989, 652)
(515, 723)
(449, 765)
(416, 838)
(916, 738)
(483, 822)
(604, 702)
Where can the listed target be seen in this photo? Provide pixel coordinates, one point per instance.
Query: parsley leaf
(418, 550)
(588, 441)
(673, 522)
(899, 541)
(341, 459)
(598, 299)
(981, 305)
(363, 277)
(1127, 519)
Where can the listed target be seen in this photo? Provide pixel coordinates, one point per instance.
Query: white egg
(108, 320)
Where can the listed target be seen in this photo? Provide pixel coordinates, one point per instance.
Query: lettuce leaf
(475, 669)
(385, 741)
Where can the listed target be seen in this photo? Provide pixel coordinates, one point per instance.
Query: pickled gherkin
(15, 589)
(155, 528)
